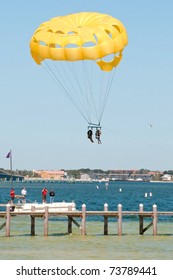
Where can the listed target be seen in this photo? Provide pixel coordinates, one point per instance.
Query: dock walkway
(83, 214)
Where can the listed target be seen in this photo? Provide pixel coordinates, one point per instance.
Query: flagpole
(11, 168)
(9, 155)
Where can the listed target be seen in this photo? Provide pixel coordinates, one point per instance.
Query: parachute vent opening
(37, 31)
(96, 38)
(108, 58)
(117, 28)
(55, 46)
(35, 40)
(59, 32)
(72, 33)
(89, 44)
(41, 43)
(71, 46)
(109, 33)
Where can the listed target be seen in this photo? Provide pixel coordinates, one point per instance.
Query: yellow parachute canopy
(70, 48)
(80, 36)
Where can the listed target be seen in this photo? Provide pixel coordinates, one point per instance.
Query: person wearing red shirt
(12, 195)
(44, 193)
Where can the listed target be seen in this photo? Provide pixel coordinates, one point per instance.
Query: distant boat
(139, 180)
(135, 180)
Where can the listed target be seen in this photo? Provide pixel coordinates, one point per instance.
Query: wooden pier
(83, 214)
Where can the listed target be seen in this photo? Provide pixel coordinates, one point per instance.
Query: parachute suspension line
(86, 90)
(88, 74)
(59, 83)
(92, 89)
(81, 95)
(62, 77)
(107, 92)
(108, 89)
(75, 89)
(61, 87)
(101, 93)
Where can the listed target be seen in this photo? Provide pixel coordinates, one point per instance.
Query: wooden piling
(154, 219)
(141, 219)
(69, 224)
(32, 221)
(69, 220)
(105, 220)
(119, 219)
(83, 228)
(8, 217)
(32, 225)
(46, 216)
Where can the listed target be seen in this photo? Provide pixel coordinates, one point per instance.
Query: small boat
(135, 180)
(139, 180)
(40, 207)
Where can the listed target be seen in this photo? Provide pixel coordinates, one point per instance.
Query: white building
(166, 177)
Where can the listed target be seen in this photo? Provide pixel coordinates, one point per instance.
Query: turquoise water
(63, 246)
(93, 246)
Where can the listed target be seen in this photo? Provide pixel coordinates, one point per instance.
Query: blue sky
(45, 131)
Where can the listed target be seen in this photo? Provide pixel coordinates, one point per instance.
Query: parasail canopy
(85, 36)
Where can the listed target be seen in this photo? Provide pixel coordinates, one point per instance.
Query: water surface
(63, 246)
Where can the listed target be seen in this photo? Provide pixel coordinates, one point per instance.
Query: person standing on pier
(52, 194)
(12, 195)
(24, 193)
(44, 193)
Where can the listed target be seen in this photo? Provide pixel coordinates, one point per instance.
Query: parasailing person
(97, 135)
(90, 135)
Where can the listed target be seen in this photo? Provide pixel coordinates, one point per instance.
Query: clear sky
(43, 129)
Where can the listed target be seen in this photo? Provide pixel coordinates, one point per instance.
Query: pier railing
(83, 214)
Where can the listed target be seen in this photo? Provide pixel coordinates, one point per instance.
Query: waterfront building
(51, 174)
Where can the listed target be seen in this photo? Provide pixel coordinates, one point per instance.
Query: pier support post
(141, 219)
(154, 219)
(8, 217)
(83, 228)
(69, 220)
(32, 221)
(46, 215)
(69, 224)
(105, 220)
(119, 219)
(32, 225)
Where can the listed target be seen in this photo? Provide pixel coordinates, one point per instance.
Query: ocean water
(95, 245)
